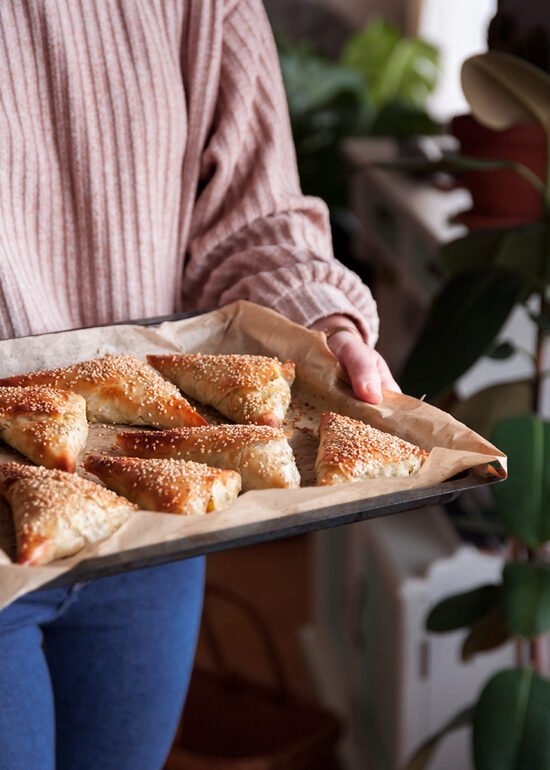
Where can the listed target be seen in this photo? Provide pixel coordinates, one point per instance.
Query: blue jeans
(94, 677)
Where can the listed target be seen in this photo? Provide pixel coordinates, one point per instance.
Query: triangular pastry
(47, 426)
(351, 450)
(119, 389)
(169, 486)
(247, 389)
(56, 514)
(262, 455)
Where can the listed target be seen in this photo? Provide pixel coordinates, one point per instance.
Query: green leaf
(485, 409)
(488, 633)
(463, 609)
(326, 104)
(462, 323)
(523, 500)
(510, 729)
(410, 73)
(502, 351)
(369, 48)
(527, 598)
(395, 68)
(475, 250)
(524, 250)
(312, 82)
(401, 120)
(519, 249)
(423, 755)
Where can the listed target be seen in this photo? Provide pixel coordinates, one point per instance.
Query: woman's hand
(366, 369)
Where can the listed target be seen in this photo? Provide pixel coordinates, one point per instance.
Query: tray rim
(255, 533)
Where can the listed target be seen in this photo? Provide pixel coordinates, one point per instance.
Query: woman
(146, 166)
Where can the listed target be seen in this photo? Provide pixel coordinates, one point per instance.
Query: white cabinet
(368, 652)
(375, 582)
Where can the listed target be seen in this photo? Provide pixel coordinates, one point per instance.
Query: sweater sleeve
(254, 235)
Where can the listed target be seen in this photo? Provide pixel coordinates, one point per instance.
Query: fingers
(386, 375)
(360, 362)
(367, 370)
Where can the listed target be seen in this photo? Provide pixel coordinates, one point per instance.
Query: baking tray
(258, 531)
(261, 532)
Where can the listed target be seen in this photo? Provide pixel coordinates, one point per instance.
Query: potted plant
(490, 272)
(503, 197)
(377, 87)
(513, 132)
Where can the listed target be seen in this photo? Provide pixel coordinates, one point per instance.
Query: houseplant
(377, 86)
(489, 273)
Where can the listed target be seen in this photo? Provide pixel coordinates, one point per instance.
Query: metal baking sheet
(241, 534)
(261, 532)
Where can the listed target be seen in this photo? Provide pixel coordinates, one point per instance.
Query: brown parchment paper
(242, 327)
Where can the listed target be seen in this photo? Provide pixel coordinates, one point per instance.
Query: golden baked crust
(119, 389)
(170, 486)
(261, 454)
(247, 389)
(56, 514)
(48, 426)
(351, 450)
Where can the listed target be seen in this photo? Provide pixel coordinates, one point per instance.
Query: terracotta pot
(502, 195)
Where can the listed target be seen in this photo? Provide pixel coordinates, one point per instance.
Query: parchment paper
(242, 327)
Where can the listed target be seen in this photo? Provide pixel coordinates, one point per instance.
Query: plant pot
(502, 195)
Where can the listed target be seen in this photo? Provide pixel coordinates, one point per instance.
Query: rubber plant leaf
(462, 610)
(519, 249)
(510, 730)
(523, 500)
(483, 410)
(463, 322)
(423, 756)
(526, 598)
(488, 633)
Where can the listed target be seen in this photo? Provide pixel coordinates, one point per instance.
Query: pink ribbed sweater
(146, 166)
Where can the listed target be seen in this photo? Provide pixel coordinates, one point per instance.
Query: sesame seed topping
(352, 444)
(37, 399)
(228, 371)
(120, 385)
(245, 388)
(48, 501)
(162, 484)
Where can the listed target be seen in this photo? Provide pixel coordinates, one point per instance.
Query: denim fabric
(94, 677)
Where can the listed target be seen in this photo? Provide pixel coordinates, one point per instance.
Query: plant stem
(536, 655)
(530, 176)
(538, 377)
(539, 352)
(515, 554)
